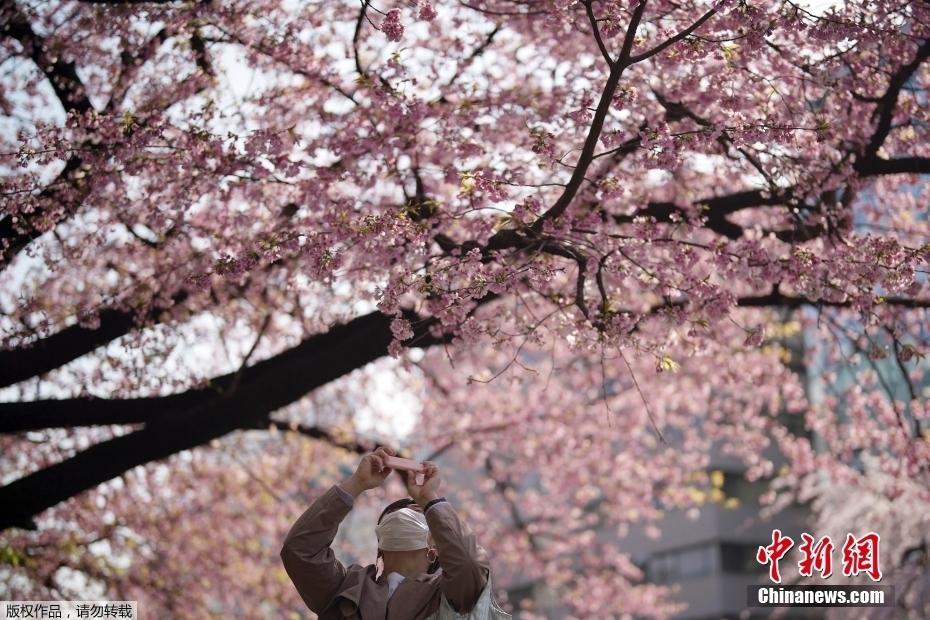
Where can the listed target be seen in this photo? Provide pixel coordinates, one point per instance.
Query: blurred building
(710, 555)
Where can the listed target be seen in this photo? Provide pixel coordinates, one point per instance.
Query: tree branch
(597, 33)
(675, 39)
(889, 101)
(62, 75)
(56, 350)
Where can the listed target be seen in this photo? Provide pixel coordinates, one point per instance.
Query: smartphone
(396, 462)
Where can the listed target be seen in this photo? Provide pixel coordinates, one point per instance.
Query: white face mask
(403, 530)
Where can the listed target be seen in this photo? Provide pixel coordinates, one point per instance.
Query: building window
(685, 563)
(740, 558)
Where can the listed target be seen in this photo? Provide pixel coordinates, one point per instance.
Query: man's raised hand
(371, 471)
(422, 493)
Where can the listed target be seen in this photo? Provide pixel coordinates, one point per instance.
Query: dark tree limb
(32, 415)
(877, 166)
(888, 103)
(61, 74)
(780, 300)
(673, 40)
(716, 209)
(63, 78)
(262, 388)
(56, 350)
(16, 417)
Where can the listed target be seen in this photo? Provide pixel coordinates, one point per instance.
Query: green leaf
(667, 364)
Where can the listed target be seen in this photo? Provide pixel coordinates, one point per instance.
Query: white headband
(402, 530)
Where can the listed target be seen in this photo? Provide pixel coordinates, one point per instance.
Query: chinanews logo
(859, 556)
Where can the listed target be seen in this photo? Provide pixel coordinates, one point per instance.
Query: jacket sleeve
(306, 554)
(465, 564)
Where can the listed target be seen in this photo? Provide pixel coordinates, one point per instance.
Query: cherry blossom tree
(578, 230)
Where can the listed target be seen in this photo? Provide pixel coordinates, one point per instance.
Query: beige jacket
(334, 591)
